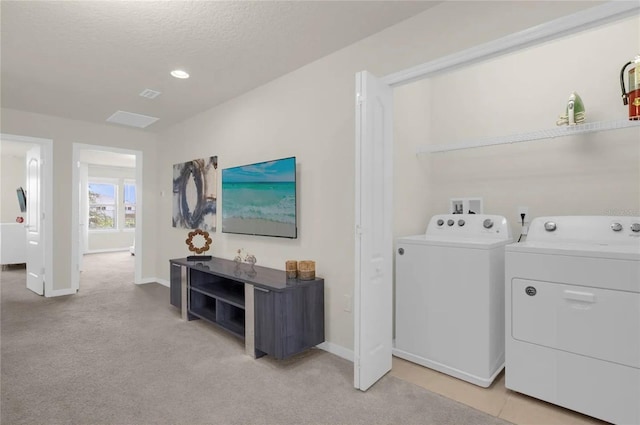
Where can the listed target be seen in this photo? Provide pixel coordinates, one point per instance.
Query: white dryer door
(598, 323)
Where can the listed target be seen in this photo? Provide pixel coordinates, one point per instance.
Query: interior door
(34, 224)
(373, 297)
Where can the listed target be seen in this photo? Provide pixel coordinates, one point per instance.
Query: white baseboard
(146, 280)
(60, 292)
(336, 349)
(102, 251)
(69, 291)
(163, 282)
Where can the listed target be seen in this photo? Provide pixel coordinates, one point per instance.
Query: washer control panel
(601, 230)
(469, 225)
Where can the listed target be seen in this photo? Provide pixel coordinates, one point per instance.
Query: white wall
(411, 193)
(12, 176)
(64, 133)
(120, 238)
(595, 174)
(309, 113)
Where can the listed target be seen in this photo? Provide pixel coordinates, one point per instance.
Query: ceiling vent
(131, 119)
(150, 94)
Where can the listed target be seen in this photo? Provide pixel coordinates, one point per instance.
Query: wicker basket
(291, 267)
(306, 270)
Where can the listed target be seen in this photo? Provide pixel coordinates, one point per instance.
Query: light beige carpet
(117, 353)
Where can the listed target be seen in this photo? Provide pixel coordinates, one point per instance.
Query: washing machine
(572, 298)
(449, 296)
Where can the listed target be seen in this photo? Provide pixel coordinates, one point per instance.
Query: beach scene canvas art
(194, 194)
(260, 199)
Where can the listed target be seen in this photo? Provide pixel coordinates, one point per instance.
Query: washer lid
(460, 242)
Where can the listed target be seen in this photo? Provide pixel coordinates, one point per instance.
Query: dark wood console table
(274, 315)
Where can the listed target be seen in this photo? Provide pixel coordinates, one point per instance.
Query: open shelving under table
(274, 315)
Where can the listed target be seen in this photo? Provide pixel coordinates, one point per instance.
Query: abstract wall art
(194, 194)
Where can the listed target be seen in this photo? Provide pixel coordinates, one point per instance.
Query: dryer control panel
(604, 230)
(469, 226)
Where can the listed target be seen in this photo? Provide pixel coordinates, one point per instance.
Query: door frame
(75, 210)
(551, 30)
(46, 202)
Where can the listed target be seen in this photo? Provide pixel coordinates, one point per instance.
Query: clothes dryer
(572, 302)
(449, 296)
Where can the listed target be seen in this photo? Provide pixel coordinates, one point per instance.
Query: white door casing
(46, 205)
(83, 213)
(373, 307)
(79, 173)
(34, 222)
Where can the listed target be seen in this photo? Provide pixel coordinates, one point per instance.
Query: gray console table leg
(184, 291)
(249, 321)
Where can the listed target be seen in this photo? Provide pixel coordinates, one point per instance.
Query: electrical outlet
(347, 303)
(525, 211)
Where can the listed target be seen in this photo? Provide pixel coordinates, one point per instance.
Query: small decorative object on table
(246, 257)
(238, 257)
(306, 270)
(250, 259)
(291, 267)
(201, 244)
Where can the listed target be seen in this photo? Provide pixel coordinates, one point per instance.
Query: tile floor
(495, 400)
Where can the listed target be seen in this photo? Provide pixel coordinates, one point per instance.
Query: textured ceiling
(87, 59)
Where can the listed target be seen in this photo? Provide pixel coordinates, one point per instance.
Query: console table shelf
(284, 317)
(229, 292)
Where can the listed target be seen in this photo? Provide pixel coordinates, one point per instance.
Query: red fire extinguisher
(632, 97)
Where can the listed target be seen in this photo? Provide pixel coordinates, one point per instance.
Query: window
(102, 205)
(112, 201)
(129, 205)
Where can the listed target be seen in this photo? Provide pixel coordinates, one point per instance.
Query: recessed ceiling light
(178, 73)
